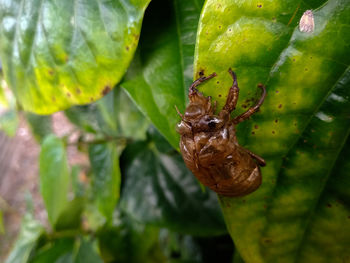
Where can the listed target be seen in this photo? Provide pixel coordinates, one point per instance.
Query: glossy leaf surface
(159, 189)
(54, 176)
(104, 159)
(300, 129)
(162, 70)
(58, 53)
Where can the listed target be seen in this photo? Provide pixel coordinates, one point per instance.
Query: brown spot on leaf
(201, 73)
(127, 48)
(276, 121)
(220, 95)
(91, 99)
(329, 205)
(253, 133)
(267, 240)
(78, 91)
(51, 72)
(273, 132)
(106, 90)
(280, 106)
(256, 126)
(259, 5)
(68, 94)
(277, 91)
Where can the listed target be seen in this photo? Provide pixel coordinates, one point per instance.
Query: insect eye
(212, 124)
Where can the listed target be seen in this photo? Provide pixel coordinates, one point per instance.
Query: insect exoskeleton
(209, 145)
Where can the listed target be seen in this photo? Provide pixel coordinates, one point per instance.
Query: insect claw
(233, 74)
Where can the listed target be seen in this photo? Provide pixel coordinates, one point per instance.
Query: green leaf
(61, 53)
(300, 129)
(87, 252)
(131, 122)
(84, 117)
(54, 176)
(70, 216)
(40, 125)
(57, 251)
(162, 69)
(190, 249)
(114, 115)
(130, 242)
(78, 186)
(104, 160)
(9, 122)
(27, 239)
(159, 189)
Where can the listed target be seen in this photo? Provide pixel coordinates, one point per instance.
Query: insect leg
(178, 112)
(259, 159)
(253, 109)
(193, 89)
(232, 97)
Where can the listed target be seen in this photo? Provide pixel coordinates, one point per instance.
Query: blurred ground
(19, 176)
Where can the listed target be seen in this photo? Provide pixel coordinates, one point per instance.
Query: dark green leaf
(187, 249)
(85, 117)
(300, 129)
(61, 53)
(40, 125)
(113, 115)
(70, 216)
(54, 176)
(130, 242)
(159, 76)
(87, 252)
(77, 185)
(131, 122)
(159, 189)
(57, 251)
(104, 160)
(27, 239)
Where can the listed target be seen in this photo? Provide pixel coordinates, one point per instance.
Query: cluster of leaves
(139, 193)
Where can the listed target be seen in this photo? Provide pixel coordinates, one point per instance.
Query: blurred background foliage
(136, 201)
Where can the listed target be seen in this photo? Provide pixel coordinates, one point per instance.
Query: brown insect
(209, 145)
